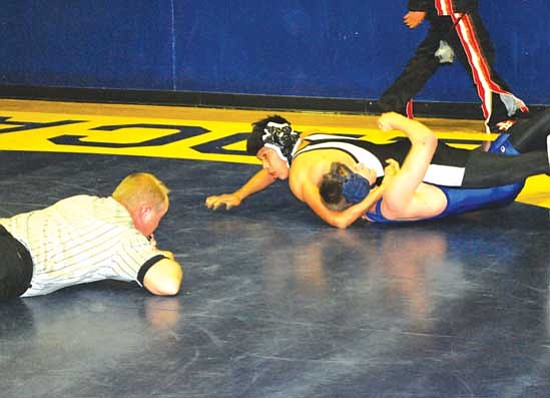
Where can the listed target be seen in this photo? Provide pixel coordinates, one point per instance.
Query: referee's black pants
(16, 266)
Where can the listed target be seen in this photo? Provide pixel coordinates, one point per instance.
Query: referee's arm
(163, 278)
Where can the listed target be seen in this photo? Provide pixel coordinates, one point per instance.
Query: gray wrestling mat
(277, 304)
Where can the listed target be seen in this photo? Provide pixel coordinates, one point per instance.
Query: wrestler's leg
(485, 169)
(455, 167)
(420, 68)
(461, 200)
(530, 134)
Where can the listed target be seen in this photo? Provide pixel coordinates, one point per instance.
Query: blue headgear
(355, 188)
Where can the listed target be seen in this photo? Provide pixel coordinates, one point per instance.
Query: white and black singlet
(450, 166)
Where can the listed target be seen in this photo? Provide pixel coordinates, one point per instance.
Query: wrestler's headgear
(342, 182)
(355, 188)
(274, 132)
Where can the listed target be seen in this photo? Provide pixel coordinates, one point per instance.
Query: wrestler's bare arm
(258, 182)
(402, 197)
(339, 219)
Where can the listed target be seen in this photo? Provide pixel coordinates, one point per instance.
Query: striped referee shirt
(81, 239)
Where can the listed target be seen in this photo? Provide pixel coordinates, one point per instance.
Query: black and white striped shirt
(80, 239)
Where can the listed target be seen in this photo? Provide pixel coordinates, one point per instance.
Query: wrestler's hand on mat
(228, 199)
(414, 18)
(389, 120)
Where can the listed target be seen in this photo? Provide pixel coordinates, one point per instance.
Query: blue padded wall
(327, 48)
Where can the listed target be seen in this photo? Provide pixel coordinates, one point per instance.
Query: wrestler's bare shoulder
(310, 167)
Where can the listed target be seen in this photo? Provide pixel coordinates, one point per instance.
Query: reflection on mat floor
(277, 304)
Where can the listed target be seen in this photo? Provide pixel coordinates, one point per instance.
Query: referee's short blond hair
(140, 189)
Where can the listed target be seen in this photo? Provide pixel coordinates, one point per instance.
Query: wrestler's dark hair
(331, 190)
(332, 182)
(254, 142)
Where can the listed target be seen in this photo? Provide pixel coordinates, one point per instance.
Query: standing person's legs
(474, 49)
(417, 72)
(15, 266)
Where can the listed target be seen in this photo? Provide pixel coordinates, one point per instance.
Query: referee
(85, 238)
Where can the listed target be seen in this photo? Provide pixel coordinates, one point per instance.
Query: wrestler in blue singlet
(465, 200)
(461, 200)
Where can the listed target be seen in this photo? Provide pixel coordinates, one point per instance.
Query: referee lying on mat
(85, 238)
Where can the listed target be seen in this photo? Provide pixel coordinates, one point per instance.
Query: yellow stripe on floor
(215, 135)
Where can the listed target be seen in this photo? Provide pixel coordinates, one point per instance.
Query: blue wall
(328, 48)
